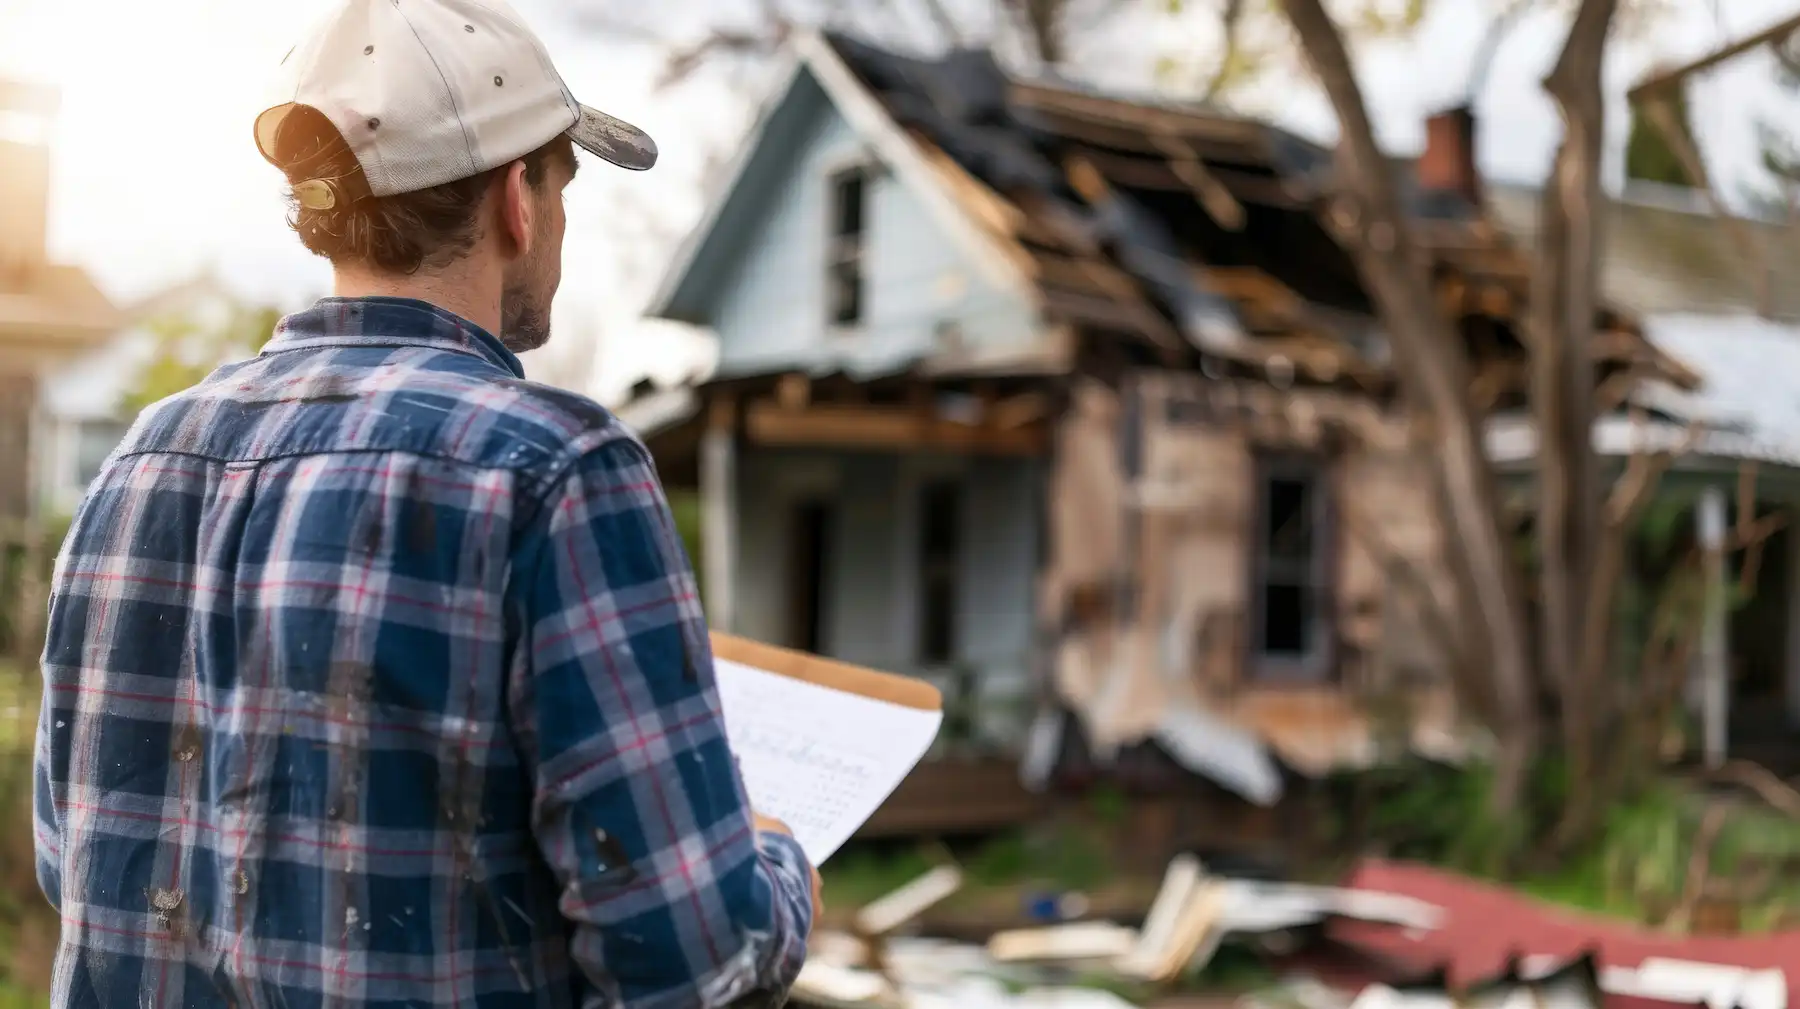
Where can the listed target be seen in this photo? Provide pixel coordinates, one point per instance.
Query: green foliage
(188, 351)
(28, 926)
(1062, 858)
(1648, 154)
(1059, 858)
(685, 506)
(1635, 867)
(1108, 806)
(17, 577)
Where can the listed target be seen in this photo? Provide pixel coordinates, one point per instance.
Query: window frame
(1317, 665)
(846, 252)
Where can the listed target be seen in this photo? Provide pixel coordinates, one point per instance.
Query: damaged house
(1072, 405)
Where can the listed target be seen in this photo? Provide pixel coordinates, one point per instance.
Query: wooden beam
(1137, 117)
(793, 391)
(1016, 412)
(1220, 205)
(830, 425)
(1156, 175)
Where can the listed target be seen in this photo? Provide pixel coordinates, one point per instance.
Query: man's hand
(770, 825)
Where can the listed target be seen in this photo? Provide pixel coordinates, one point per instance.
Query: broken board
(820, 744)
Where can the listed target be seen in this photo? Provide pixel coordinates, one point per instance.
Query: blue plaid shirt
(376, 677)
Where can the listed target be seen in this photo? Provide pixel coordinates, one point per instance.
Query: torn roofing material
(1100, 256)
(1484, 928)
(1171, 222)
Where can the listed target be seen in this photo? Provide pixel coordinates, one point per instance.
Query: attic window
(849, 215)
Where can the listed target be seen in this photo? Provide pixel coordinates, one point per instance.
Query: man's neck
(465, 293)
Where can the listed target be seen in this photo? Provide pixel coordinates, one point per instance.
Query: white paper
(820, 760)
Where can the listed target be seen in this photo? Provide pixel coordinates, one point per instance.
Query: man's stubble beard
(524, 324)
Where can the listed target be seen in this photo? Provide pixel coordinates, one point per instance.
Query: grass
(1001, 875)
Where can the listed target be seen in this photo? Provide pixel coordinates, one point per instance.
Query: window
(1291, 565)
(940, 549)
(94, 441)
(849, 217)
(810, 530)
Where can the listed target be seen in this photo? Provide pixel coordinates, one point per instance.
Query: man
(375, 673)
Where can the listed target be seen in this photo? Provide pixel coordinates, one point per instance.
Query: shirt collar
(389, 322)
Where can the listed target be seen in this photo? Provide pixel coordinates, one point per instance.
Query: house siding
(871, 587)
(770, 313)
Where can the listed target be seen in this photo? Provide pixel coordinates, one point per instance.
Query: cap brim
(268, 129)
(613, 139)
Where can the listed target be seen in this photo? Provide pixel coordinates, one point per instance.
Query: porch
(893, 524)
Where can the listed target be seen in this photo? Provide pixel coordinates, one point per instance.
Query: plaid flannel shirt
(376, 676)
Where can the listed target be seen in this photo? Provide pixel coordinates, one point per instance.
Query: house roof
(1744, 408)
(1667, 251)
(1177, 225)
(55, 305)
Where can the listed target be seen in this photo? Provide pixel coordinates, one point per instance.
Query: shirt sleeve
(46, 825)
(672, 897)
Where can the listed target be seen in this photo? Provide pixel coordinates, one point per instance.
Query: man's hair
(394, 234)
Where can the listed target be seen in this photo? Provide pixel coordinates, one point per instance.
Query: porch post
(718, 513)
(1715, 695)
(1791, 668)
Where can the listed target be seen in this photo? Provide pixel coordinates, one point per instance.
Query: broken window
(1291, 594)
(940, 549)
(844, 279)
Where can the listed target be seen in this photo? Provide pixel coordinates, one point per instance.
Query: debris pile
(1358, 946)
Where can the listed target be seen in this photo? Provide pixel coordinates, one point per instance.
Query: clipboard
(820, 744)
(808, 668)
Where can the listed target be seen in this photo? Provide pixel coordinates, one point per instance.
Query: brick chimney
(1448, 164)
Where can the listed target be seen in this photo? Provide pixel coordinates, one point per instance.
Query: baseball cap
(427, 92)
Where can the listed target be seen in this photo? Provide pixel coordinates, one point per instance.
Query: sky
(155, 177)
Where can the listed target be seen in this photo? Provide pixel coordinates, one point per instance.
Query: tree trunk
(1564, 304)
(1434, 371)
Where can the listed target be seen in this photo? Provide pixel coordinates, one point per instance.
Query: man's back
(375, 674)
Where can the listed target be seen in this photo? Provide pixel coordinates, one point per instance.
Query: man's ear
(517, 210)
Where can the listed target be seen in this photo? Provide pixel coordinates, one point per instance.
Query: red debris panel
(1484, 925)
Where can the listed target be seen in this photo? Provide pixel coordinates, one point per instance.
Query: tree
(1580, 529)
(188, 348)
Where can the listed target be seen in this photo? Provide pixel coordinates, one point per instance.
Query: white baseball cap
(427, 92)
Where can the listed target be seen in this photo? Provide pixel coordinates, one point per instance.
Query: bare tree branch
(1434, 368)
(1498, 29)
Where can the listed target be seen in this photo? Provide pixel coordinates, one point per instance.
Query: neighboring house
(49, 314)
(1076, 406)
(82, 412)
(1724, 298)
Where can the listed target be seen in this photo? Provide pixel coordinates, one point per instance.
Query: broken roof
(1175, 224)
